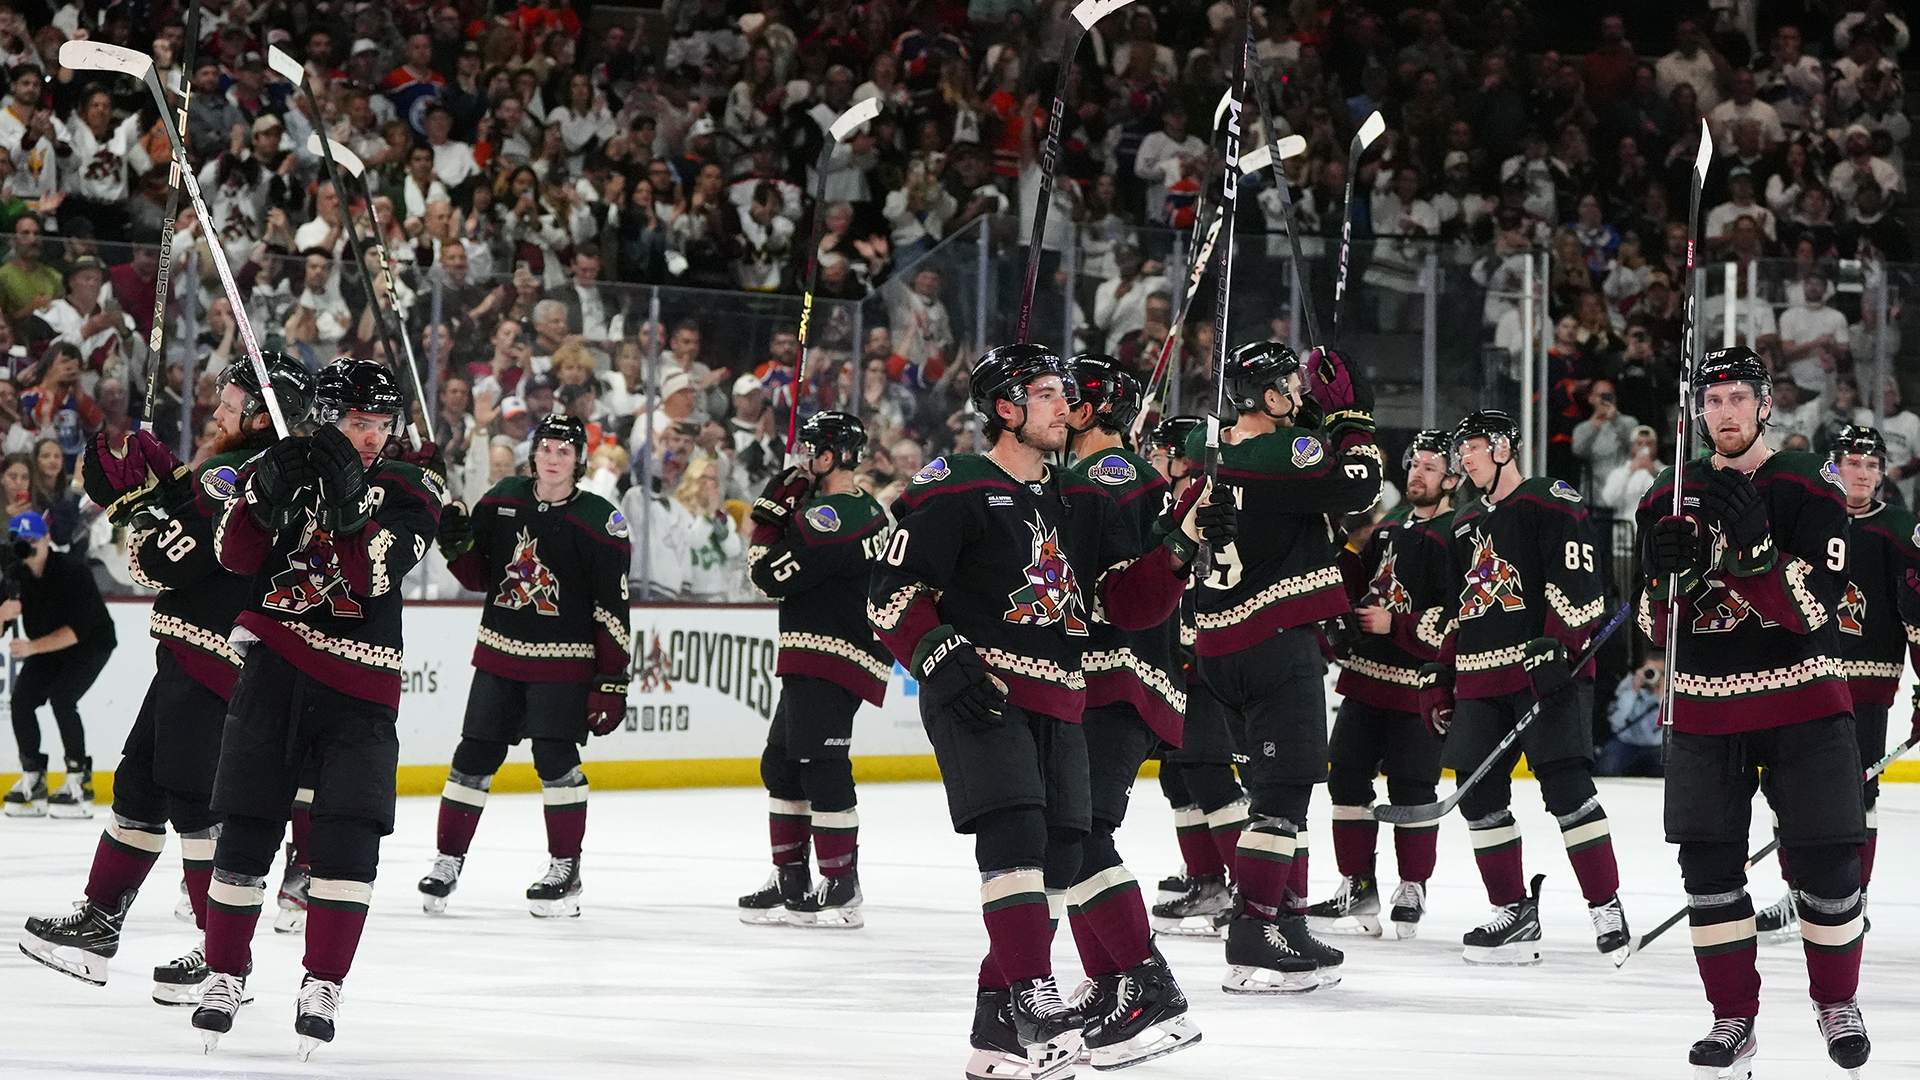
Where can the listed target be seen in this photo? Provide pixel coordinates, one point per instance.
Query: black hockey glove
(1436, 698)
(1218, 517)
(1732, 500)
(280, 474)
(456, 530)
(343, 481)
(953, 675)
(1546, 663)
(1673, 546)
(781, 496)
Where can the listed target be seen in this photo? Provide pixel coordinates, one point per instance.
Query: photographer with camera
(64, 640)
(1634, 716)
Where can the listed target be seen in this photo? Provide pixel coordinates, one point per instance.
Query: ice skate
(1043, 1021)
(1779, 922)
(1260, 960)
(834, 904)
(997, 1051)
(1409, 902)
(28, 796)
(183, 907)
(557, 895)
(1195, 912)
(1727, 1051)
(74, 799)
(1142, 1015)
(1511, 937)
(292, 917)
(1846, 1034)
(1610, 934)
(221, 997)
(440, 883)
(1354, 908)
(788, 884)
(1301, 940)
(1172, 887)
(79, 944)
(314, 1014)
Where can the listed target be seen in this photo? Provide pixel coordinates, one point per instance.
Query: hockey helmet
(1254, 368)
(1114, 392)
(350, 385)
(1004, 374)
(1433, 441)
(567, 429)
(1492, 425)
(1171, 434)
(840, 432)
(1734, 364)
(292, 385)
(1857, 439)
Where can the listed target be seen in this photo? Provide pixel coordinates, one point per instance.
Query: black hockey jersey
(1282, 570)
(1408, 572)
(818, 568)
(1137, 667)
(331, 604)
(555, 575)
(1522, 568)
(1022, 569)
(1882, 545)
(199, 598)
(1759, 646)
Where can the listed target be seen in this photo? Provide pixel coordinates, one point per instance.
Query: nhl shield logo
(1113, 470)
(1307, 451)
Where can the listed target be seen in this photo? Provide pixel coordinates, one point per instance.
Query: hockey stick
(842, 127)
(87, 55)
(1269, 111)
(1434, 811)
(1646, 939)
(1155, 383)
(1362, 139)
(1701, 159)
(1085, 14)
(156, 337)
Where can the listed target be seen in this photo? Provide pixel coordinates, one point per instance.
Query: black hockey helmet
(1256, 367)
(1734, 364)
(1857, 439)
(1492, 425)
(1171, 434)
(567, 429)
(1004, 374)
(1433, 441)
(1114, 392)
(840, 432)
(351, 385)
(292, 385)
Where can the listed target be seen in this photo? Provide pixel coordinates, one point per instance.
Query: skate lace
(1503, 917)
(1607, 919)
(196, 957)
(1043, 998)
(1840, 1019)
(1278, 940)
(1409, 894)
(558, 871)
(1728, 1032)
(446, 868)
(1124, 993)
(320, 998)
(222, 992)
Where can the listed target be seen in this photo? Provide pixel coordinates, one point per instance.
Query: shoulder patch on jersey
(1307, 451)
(1831, 474)
(1916, 536)
(823, 519)
(434, 485)
(221, 483)
(934, 470)
(1563, 490)
(617, 525)
(1113, 470)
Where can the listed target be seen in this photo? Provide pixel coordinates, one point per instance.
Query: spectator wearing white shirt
(1743, 105)
(1740, 203)
(1695, 62)
(1628, 482)
(102, 160)
(1603, 440)
(421, 187)
(1811, 328)
(1901, 428)
(1120, 303)
(1788, 79)
(1793, 416)
(1873, 13)
(1861, 164)
(453, 162)
(1163, 156)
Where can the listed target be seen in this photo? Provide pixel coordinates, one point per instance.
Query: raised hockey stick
(1701, 159)
(1269, 110)
(156, 359)
(1229, 202)
(100, 56)
(1362, 139)
(842, 127)
(1159, 380)
(1647, 938)
(1085, 14)
(1424, 812)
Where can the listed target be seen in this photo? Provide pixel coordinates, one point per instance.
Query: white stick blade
(1088, 12)
(287, 66)
(1704, 157)
(1220, 110)
(1255, 159)
(1375, 126)
(854, 117)
(1292, 146)
(342, 156)
(100, 56)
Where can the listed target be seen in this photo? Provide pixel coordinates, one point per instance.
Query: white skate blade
(290, 921)
(994, 1065)
(308, 1044)
(433, 905)
(567, 907)
(1346, 925)
(38, 808)
(178, 993)
(1514, 954)
(830, 919)
(775, 916)
(1741, 1069)
(75, 812)
(1405, 931)
(1255, 980)
(209, 1041)
(1191, 926)
(1166, 1037)
(1620, 955)
(87, 967)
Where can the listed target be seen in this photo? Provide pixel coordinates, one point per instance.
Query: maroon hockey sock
(788, 824)
(336, 913)
(196, 871)
(1496, 847)
(1262, 866)
(1296, 903)
(1355, 836)
(301, 822)
(836, 839)
(1589, 843)
(1014, 906)
(461, 803)
(1831, 931)
(233, 907)
(1416, 849)
(566, 805)
(1197, 852)
(1725, 954)
(1095, 960)
(122, 859)
(990, 977)
(1224, 825)
(1109, 905)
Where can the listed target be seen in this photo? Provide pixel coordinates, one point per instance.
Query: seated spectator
(1743, 106)
(1634, 717)
(1861, 164)
(1740, 204)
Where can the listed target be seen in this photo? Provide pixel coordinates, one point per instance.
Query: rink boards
(703, 691)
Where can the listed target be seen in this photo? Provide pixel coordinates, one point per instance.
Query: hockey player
(325, 529)
(1290, 461)
(1404, 567)
(167, 765)
(986, 592)
(1761, 557)
(1528, 598)
(815, 537)
(1136, 698)
(552, 658)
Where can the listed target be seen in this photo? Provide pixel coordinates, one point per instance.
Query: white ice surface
(658, 978)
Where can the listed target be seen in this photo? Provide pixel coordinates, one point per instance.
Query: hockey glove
(343, 481)
(1218, 517)
(280, 474)
(1673, 546)
(1342, 391)
(1545, 661)
(606, 707)
(427, 459)
(1732, 500)
(456, 531)
(121, 482)
(781, 497)
(953, 675)
(1436, 698)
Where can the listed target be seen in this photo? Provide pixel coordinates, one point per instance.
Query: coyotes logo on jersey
(1050, 594)
(1492, 581)
(528, 580)
(1386, 591)
(312, 575)
(1721, 613)
(1851, 616)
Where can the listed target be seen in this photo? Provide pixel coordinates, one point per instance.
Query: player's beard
(1733, 444)
(225, 442)
(1044, 438)
(1428, 497)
